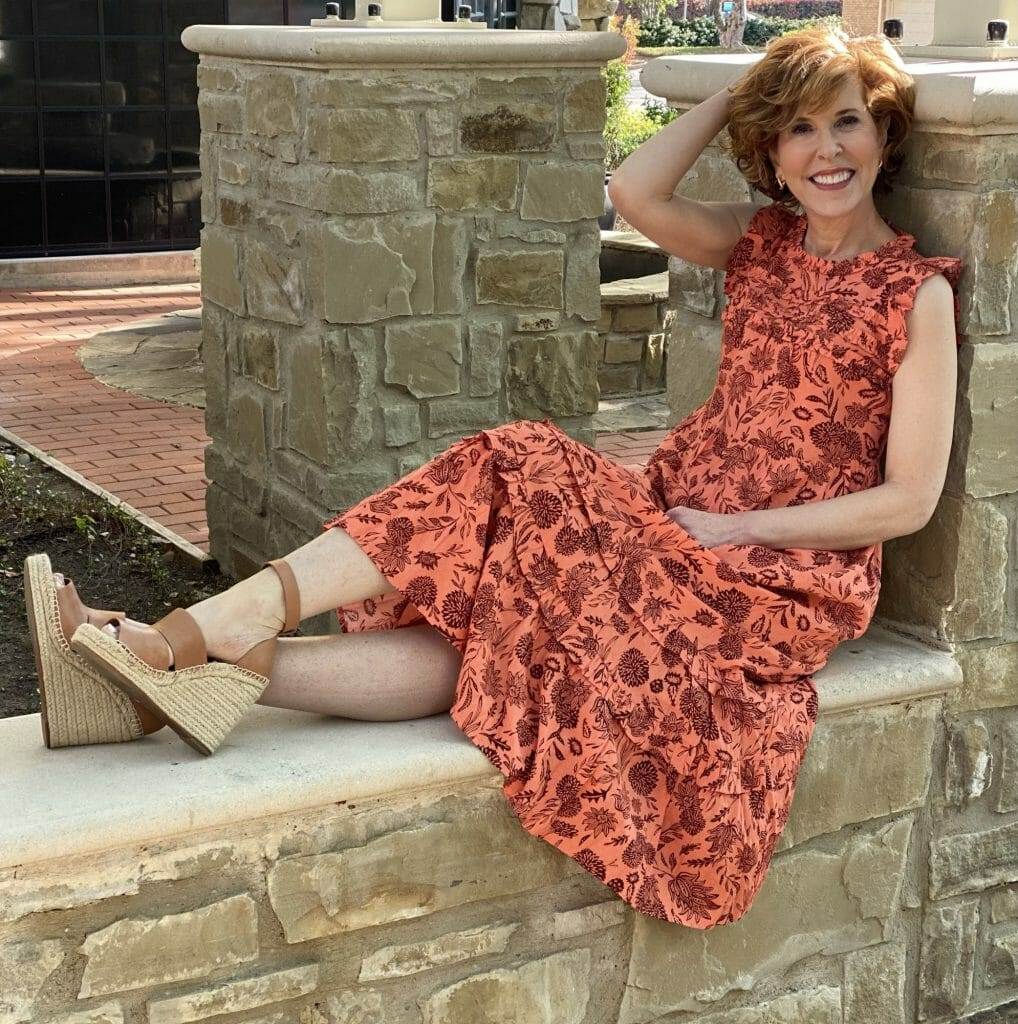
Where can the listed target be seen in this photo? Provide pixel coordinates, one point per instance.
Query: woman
(632, 650)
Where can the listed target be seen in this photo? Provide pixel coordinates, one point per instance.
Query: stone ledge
(950, 95)
(635, 291)
(76, 800)
(393, 47)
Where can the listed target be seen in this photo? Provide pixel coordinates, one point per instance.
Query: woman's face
(843, 135)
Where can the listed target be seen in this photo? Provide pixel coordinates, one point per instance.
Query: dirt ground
(114, 561)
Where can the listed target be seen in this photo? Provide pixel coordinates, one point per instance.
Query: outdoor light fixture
(996, 30)
(397, 14)
(893, 28)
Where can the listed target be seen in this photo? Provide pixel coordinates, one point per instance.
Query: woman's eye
(848, 119)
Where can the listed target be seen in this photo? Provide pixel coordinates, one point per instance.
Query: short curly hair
(800, 71)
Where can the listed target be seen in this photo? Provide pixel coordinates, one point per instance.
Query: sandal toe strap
(184, 637)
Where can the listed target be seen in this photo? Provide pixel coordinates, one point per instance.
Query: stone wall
(433, 906)
(391, 259)
(953, 584)
(635, 321)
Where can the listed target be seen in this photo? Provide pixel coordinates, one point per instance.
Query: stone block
(652, 377)
(571, 924)
(462, 416)
(356, 193)
(810, 1006)
(812, 901)
(364, 280)
(233, 213)
(619, 380)
(624, 350)
(448, 948)
(553, 990)
(487, 358)
(524, 127)
(288, 184)
(274, 284)
(951, 575)
(972, 861)
(587, 149)
(1002, 959)
(512, 83)
(270, 104)
(258, 355)
(874, 985)
(235, 996)
(562, 192)
(220, 270)
(510, 228)
(947, 959)
(25, 967)
(1004, 906)
(583, 109)
(891, 747)
(693, 287)
(449, 264)
(553, 375)
(441, 126)
(1007, 790)
(401, 422)
(988, 437)
(305, 404)
(583, 279)
(357, 1006)
(531, 278)
(357, 136)
(470, 183)
(537, 323)
(351, 390)
(216, 77)
(425, 357)
(234, 170)
(246, 429)
(369, 88)
(220, 113)
(642, 318)
(105, 1013)
(409, 873)
(138, 952)
(969, 763)
(989, 677)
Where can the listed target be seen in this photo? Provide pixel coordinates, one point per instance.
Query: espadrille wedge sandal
(77, 704)
(200, 700)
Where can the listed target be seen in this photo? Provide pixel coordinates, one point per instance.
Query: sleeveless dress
(649, 700)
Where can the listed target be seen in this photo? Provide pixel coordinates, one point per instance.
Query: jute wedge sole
(78, 704)
(201, 704)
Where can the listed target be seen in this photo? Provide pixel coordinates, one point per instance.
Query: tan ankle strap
(291, 594)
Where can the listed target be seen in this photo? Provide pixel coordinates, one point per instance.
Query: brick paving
(147, 453)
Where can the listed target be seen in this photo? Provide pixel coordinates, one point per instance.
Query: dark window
(99, 119)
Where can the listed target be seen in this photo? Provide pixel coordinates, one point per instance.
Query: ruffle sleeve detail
(905, 287)
(766, 229)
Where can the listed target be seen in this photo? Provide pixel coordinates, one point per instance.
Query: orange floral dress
(649, 700)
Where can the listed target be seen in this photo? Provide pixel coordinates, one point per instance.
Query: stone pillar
(400, 248)
(954, 583)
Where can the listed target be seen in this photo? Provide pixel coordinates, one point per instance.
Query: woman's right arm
(643, 187)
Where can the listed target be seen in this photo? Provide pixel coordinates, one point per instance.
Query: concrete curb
(190, 552)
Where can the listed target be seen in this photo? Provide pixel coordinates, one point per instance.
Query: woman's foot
(149, 722)
(231, 622)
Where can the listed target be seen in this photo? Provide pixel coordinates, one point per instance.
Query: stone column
(400, 248)
(954, 583)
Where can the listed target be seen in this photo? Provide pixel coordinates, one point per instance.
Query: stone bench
(342, 870)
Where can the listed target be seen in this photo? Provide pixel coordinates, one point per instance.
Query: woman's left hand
(708, 528)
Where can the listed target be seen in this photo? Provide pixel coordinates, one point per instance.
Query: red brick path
(147, 453)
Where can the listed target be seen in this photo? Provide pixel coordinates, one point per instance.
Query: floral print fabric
(649, 700)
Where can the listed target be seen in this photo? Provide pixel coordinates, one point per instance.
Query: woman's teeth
(830, 180)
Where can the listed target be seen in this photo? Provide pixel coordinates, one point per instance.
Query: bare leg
(381, 676)
(331, 570)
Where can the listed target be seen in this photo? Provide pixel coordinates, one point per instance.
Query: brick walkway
(147, 453)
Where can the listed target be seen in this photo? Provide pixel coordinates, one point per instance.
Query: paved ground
(146, 452)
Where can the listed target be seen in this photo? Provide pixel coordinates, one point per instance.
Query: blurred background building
(99, 119)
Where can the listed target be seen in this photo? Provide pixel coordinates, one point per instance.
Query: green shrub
(662, 31)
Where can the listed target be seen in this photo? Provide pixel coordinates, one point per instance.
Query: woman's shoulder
(767, 230)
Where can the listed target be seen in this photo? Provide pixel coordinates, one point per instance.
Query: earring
(781, 181)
